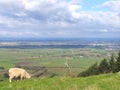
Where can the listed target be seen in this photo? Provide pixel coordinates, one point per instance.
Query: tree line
(106, 66)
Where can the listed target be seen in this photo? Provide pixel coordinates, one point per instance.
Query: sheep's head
(28, 76)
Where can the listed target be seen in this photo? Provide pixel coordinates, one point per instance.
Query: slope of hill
(100, 82)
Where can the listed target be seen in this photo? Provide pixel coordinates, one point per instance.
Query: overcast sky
(60, 18)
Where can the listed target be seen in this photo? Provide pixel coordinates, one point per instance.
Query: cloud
(113, 4)
(56, 18)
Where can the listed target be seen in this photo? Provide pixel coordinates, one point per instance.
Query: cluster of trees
(105, 66)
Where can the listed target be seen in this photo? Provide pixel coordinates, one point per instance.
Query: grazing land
(100, 82)
(53, 59)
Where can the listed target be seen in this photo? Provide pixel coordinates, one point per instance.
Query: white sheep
(18, 73)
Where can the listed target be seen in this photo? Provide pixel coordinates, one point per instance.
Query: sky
(60, 18)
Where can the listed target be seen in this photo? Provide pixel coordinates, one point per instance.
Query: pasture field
(99, 82)
(53, 59)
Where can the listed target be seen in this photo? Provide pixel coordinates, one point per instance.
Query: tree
(93, 70)
(117, 64)
(118, 59)
(104, 66)
(112, 63)
(83, 74)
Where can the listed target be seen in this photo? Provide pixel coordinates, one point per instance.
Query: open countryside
(48, 63)
(59, 44)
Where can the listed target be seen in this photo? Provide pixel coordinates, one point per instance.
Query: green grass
(100, 82)
(53, 58)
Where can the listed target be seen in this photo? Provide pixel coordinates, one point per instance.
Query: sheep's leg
(21, 77)
(10, 79)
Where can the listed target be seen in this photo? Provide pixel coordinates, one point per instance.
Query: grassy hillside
(100, 82)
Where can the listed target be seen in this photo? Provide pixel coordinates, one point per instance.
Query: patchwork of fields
(53, 59)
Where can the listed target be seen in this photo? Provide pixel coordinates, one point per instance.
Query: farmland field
(53, 59)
